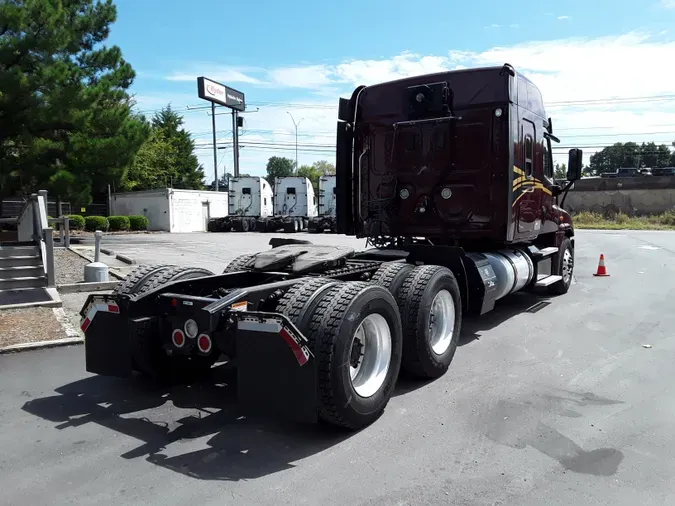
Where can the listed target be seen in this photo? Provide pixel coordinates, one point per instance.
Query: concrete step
(20, 261)
(29, 297)
(12, 250)
(23, 282)
(21, 271)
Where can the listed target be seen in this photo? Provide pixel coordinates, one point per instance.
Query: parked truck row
(450, 177)
(292, 206)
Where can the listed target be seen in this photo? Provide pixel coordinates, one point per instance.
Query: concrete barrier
(634, 196)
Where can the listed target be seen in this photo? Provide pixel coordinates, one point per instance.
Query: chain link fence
(12, 207)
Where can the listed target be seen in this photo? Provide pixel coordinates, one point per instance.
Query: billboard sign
(220, 94)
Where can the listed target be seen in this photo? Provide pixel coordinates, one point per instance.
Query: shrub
(118, 223)
(94, 223)
(76, 222)
(138, 222)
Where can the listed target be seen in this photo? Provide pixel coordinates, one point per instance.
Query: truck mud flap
(107, 342)
(276, 371)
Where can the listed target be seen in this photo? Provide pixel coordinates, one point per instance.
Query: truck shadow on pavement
(199, 430)
(173, 422)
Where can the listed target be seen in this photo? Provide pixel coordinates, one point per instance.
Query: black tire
(150, 359)
(331, 328)
(562, 287)
(238, 225)
(245, 225)
(415, 298)
(289, 227)
(261, 226)
(137, 278)
(241, 263)
(252, 224)
(391, 276)
(298, 303)
(173, 274)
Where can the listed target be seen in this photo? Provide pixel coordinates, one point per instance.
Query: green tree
(185, 170)
(149, 169)
(312, 173)
(66, 118)
(613, 157)
(654, 156)
(278, 166)
(560, 172)
(167, 158)
(326, 168)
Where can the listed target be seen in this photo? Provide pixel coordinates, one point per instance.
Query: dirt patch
(29, 325)
(68, 266)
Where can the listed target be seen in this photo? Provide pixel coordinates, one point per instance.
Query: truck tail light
(178, 338)
(204, 343)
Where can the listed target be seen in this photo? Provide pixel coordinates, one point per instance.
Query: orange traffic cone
(602, 270)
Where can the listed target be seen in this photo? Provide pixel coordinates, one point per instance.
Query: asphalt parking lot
(549, 401)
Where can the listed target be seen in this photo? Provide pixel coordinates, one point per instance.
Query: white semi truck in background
(250, 206)
(294, 204)
(327, 206)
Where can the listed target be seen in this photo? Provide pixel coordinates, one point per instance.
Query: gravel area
(18, 326)
(68, 266)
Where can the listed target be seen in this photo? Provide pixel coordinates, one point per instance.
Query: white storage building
(170, 209)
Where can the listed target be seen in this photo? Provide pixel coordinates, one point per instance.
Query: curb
(125, 259)
(16, 348)
(87, 287)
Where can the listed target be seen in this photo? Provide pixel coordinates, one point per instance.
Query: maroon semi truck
(449, 177)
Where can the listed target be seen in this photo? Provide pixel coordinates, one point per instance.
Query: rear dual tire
(430, 307)
(354, 331)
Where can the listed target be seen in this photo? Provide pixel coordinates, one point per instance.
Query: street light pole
(296, 138)
(215, 149)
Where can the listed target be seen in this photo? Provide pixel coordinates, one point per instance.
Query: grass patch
(621, 221)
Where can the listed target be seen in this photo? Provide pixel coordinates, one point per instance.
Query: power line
(592, 101)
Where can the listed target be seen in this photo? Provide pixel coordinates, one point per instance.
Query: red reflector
(85, 324)
(178, 338)
(174, 302)
(113, 308)
(297, 349)
(204, 343)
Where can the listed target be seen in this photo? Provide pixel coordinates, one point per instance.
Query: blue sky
(299, 57)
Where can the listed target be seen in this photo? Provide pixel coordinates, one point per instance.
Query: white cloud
(562, 18)
(566, 70)
(514, 25)
(668, 4)
(313, 76)
(218, 73)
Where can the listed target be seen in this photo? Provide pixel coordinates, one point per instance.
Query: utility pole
(215, 148)
(235, 140)
(296, 138)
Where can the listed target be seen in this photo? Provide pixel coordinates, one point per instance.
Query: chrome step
(546, 252)
(548, 280)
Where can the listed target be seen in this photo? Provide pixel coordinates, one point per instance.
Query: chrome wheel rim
(567, 266)
(442, 322)
(370, 355)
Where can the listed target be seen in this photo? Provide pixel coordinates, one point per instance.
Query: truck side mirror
(575, 164)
